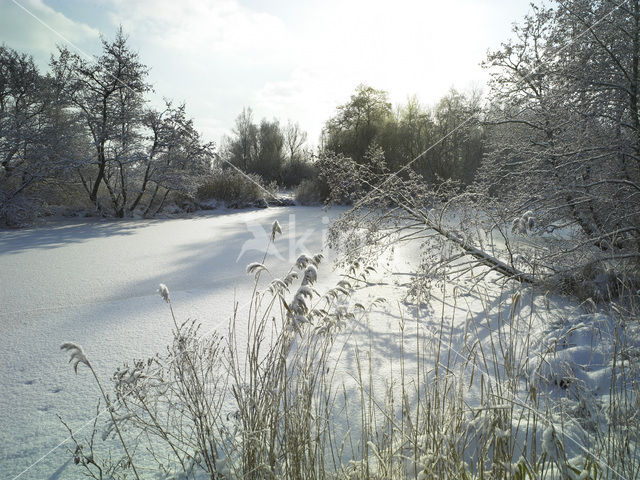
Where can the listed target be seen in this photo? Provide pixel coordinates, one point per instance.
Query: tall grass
(297, 389)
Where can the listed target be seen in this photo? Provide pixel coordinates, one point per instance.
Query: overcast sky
(288, 59)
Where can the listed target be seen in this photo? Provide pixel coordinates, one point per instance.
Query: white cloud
(304, 97)
(35, 27)
(203, 29)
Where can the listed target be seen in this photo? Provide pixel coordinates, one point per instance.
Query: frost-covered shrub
(19, 212)
(232, 187)
(598, 281)
(311, 192)
(524, 224)
(296, 171)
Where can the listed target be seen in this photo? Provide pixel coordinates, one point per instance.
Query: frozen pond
(94, 282)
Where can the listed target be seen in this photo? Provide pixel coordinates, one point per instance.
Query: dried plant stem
(113, 419)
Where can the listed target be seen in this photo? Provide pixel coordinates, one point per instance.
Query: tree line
(276, 153)
(366, 122)
(558, 131)
(85, 128)
(84, 133)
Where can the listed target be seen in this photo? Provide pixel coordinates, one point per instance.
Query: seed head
(275, 228)
(77, 355)
(310, 275)
(255, 268)
(515, 225)
(288, 280)
(277, 286)
(531, 223)
(164, 292)
(305, 291)
(303, 260)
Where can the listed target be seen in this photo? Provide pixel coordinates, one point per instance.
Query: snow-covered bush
(568, 158)
(17, 212)
(311, 192)
(233, 188)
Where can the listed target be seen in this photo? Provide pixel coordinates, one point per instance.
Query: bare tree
(108, 94)
(173, 159)
(39, 139)
(242, 149)
(564, 130)
(140, 155)
(295, 139)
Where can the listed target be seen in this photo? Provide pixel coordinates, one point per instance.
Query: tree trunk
(480, 255)
(93, 196)
(483, 257)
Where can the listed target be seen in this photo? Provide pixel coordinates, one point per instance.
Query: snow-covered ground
(94, 282)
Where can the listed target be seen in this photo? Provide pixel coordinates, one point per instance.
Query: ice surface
(95, 283)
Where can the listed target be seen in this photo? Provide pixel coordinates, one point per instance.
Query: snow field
(95, 283)
(483, 372)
